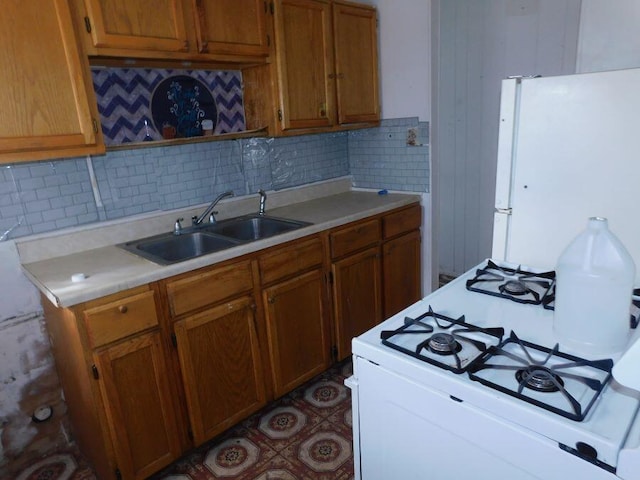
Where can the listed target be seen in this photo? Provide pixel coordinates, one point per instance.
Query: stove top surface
(605, 412)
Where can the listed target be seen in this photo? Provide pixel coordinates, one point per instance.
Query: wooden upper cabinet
(48, 105)
(235, 27)
(305, 63)
(356, 57)
(327, 64)
(137, 24)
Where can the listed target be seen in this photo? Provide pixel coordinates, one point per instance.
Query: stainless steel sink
(169, 248)
(253, 227)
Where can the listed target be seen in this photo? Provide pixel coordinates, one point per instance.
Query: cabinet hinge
(272, 7)
(334, 353)
(87, 24)
(280, 115)
(174, 340)
(266, 8)
(190, 434)
(331, 278)
(118, 474)
(95, 372)
(95, 125)
(268, 40)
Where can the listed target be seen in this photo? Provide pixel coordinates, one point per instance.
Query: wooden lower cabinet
(357, 300)
(220, 361)
(111, 363)
(401, 272)
(135, 391)
(298, 339)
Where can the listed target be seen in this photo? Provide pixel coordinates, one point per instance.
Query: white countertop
(109, 269)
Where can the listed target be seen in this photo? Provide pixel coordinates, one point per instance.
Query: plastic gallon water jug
(594, 284)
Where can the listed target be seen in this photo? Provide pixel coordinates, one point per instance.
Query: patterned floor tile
(305, 435)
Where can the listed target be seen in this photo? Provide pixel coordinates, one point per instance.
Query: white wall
(405, 55)
(609, 35)
(480, 43)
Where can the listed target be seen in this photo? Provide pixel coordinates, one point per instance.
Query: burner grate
(513, 283)
(556, 381)
(443, 341)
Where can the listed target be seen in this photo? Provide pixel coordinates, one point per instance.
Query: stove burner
(516, 284)
(449, 343)
(444, 344)
(540, 379)
(514, 287)
(545, 377)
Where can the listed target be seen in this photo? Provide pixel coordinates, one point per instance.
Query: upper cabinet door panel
(45, 92)
(305, 59)
(137, 24)
(235, 27)
(356, 56)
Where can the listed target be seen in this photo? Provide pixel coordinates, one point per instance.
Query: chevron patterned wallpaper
(124, 99)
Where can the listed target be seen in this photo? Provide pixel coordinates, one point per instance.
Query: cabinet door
(356, 56)
(46, 90)
(356, 297)
(136, 394)
(235, 27)
(137, 24)
(220, 361)
(298, 342)
(305, 63)
(401, 272)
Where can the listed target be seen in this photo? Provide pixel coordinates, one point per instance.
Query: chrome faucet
(177, 227)
(263, 201)
(209, 211)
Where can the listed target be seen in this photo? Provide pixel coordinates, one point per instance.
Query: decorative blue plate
(178, 105)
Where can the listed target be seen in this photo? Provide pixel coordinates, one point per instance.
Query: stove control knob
(586, 450)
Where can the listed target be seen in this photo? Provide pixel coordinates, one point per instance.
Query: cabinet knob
(271, 300)
(123, 309)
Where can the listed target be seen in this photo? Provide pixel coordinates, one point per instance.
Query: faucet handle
(263, 201)
(177, 227)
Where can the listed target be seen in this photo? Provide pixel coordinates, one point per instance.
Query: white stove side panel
(576, 155)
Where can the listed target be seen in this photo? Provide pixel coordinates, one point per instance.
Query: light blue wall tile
(380, 157)
(41, 197)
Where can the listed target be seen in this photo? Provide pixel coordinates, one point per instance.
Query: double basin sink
(168, 248)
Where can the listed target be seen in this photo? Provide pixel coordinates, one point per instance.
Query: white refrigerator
(568, 149)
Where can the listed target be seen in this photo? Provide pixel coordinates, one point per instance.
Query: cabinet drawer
(354, 238)
(402, 221)
(121, 318)
(290, 260)
(209, 287)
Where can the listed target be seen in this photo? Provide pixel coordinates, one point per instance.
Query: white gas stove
(468, 384)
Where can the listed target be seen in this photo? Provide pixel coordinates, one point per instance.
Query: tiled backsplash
(381, 158)
(45, 196)
(124, 100)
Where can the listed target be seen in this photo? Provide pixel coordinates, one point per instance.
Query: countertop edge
(137, 271)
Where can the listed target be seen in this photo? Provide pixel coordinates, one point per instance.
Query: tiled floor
(304, 435)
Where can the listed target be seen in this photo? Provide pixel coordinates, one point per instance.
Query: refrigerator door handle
(504, 211)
